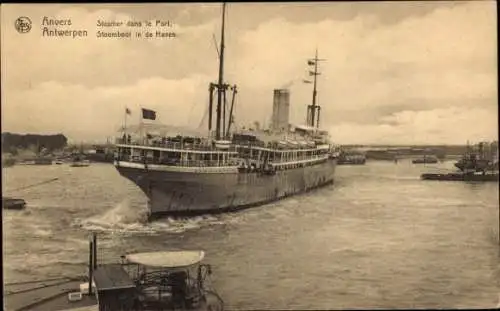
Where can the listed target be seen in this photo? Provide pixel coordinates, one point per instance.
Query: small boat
(166, 280)
(81, 163)
(426, 160)
(13, 204)
(351, 158)
(162, 280)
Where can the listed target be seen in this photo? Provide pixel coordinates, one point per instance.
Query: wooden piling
(91, 261)
(94, 245)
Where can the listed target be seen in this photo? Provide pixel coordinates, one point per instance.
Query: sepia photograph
(231, 156)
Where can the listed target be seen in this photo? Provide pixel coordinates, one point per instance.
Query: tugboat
(474, 166)
(163, 280)
(477, 161)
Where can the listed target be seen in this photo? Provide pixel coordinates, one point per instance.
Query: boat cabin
(153, 281)
(115, 290)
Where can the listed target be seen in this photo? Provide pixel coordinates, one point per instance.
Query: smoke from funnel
(287, 85)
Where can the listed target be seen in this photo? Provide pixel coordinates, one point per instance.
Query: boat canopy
(167, 259)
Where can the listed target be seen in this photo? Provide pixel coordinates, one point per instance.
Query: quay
(46, 295)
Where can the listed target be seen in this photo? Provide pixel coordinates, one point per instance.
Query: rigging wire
(203, 119)
(37, 184)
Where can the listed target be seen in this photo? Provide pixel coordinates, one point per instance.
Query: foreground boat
(225, 170)
(164, 280)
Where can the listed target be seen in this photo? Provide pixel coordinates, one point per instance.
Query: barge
(460, 177)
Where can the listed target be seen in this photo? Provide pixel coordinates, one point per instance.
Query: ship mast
(221, 130)
(220, 84)
(311, 109)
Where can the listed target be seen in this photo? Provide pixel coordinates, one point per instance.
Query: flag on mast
(127, 111)
(148, 114)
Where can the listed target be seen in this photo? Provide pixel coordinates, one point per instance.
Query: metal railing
(304, 161)
(234, 146)
(178, 162)
(176, 145)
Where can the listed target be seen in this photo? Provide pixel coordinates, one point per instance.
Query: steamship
(228, 170)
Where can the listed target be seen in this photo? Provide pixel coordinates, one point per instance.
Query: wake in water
(127, 219)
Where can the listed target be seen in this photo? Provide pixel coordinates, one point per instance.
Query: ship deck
(46, 295)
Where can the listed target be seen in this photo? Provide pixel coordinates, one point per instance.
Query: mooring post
(91, 260)
(94, 244)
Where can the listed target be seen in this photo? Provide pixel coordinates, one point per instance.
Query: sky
(395, 72)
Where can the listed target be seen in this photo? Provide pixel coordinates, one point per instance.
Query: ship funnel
(281, 110)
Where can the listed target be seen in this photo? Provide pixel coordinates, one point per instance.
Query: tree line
(12, 142)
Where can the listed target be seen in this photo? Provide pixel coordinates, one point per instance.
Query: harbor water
(379, 238)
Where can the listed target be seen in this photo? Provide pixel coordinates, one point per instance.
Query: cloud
(421, 127)
(97, 113)
(381, 81)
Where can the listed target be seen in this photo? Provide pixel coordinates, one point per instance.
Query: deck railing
(177, 145)
(216, 163)
(210, 147)
(178, 162)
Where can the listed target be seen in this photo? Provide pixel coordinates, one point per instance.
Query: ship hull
(189, 194)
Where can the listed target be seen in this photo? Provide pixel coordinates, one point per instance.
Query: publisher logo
(23, 24)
